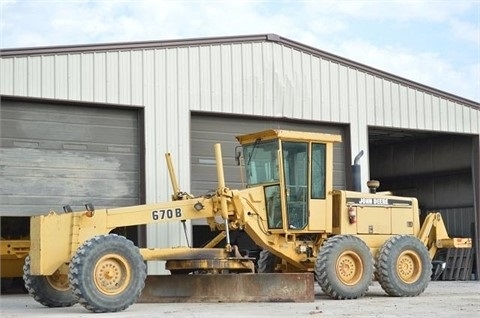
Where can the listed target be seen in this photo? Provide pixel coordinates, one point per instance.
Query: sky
(435, 43)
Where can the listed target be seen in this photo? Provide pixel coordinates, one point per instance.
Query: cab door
(295, 166)
(320, 200)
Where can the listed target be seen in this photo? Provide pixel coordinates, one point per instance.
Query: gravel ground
(441, 299)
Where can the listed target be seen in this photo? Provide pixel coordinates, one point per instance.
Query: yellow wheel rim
(58, 281)
(409, 267)
(112, 274)
(349, 268)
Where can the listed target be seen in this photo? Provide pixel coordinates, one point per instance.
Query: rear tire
(344, 267)
(403, 266)
(50, 291)
(107, 273)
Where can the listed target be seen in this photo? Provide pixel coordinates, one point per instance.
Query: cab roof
(288, 135)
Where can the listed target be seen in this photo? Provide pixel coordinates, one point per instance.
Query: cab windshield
(261, 162)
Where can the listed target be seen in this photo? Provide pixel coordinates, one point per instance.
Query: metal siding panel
(412, 108)
(361, 121)
(148, 78)
(466, 119)
(395, 104)
(171, 88)
(428, 112)
(137, 69)
(112, 73)
(334, 92)
(160, 86)
(257, 79)
(352, 98)
(325, 90)
(215, 71)
(387, 102)
(100, 77)
(183, 79)
(48, 76)
(294, 108)
(160, 116)
(475, 121)
(20, 70)
(344, 93)
(194, 78)
(61, 76)
(370, 98)
(269, 76)
(420, 112)
(205, 81)
(436, 113)
(459, 124)
(404, 108)
(168, 136)
(359, 128)
(237, 78)
(150, 88)
(226, 78)
(6, 75)
(452, 116)
(247, 72)
(316, 88)
(87, 77)
(124, 77)
(289, 82)
(34, 76)
(74, 76)
(172, 84)
(443, 115)
(378, 113)
(279, 81)
(354, 111)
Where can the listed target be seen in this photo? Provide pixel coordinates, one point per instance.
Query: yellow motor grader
(289, 208)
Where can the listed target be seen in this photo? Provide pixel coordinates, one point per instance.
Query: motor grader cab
(289, 208)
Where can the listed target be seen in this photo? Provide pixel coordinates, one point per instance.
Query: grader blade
(233, 288)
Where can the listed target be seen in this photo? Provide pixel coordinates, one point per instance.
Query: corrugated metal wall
(253, 78)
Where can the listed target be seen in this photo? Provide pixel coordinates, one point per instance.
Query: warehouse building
(91, 123)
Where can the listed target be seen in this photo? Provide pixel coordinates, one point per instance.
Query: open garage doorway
(437, 168)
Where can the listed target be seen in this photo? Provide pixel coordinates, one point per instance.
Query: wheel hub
(409, 267)
(349, 268)
(112, 274)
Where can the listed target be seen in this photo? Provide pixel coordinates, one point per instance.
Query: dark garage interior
(439, 170)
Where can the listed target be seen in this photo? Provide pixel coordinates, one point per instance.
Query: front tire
(107, 273)
(50, 291)
(403, 266)
(344, 267)
(267, 262)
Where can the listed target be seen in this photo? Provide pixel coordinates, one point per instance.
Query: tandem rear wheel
(403, 266)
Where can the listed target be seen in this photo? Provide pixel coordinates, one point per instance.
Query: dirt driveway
(441, 299)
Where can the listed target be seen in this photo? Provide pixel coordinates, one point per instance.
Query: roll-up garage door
(52, 155)
(208, 130)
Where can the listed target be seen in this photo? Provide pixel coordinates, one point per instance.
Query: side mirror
(238, 154)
